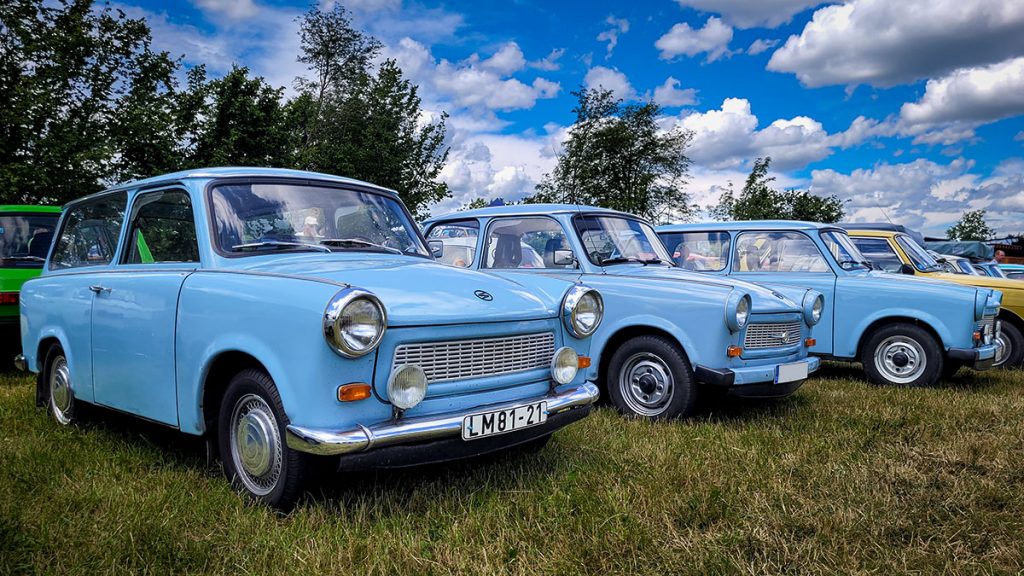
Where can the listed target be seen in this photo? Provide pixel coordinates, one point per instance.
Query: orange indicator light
(733, 351)
(583, 362)
(810, 342)
(353, 392)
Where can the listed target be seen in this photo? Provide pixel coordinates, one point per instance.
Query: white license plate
(790, 372)
(497, 422)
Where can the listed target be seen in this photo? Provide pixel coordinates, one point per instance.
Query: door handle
(98, 289)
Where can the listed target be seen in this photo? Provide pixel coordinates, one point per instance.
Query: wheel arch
(881, 322)
(623, 335)
(221, 369)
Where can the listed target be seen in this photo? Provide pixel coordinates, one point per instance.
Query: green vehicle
(26, 233)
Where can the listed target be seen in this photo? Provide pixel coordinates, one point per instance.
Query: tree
(971, 226)
(759, 201)
(474, 204)
(616, 156)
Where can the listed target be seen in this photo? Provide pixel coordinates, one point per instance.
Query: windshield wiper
(24, 258)
(280, 244)
(852, 263)
(348, 242)
(624, 259)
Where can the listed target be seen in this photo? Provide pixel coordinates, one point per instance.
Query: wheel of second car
(650, 377)
(251, 435)
(1012, 354)
(60, 395)
(902, 355)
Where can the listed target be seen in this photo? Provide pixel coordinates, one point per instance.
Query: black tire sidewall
(684, 392)
(54, 351)
(934, 355)
(1011, 332)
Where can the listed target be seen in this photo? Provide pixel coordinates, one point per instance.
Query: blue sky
(914, 108)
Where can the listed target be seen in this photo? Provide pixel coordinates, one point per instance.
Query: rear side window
(25, 239)
(163, 229)
(698, 250)
(777, 252)
(88, 236)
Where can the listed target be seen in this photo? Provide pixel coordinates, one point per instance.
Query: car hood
(763, 300)
(418, 292)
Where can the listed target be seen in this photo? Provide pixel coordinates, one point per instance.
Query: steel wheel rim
(255, 445)
(646, 384)
(62, 399)
(1004, 351)
(900, 359)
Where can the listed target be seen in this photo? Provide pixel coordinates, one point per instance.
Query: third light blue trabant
(905, 330)
(666, 330)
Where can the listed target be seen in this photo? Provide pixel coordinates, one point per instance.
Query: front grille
(460, 359)
(987, 327)
(773, 335)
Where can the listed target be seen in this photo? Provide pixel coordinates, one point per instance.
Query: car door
(134, 314)
(793, 259)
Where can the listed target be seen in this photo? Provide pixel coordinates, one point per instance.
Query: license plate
(790, 372)
(497, 422)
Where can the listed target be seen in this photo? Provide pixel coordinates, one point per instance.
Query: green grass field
(841, 478)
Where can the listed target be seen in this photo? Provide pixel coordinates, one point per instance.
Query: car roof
(27, 208)
(746, 225)
(525, 210)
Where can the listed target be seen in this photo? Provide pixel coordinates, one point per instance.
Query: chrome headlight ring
(354, 322)
(814, 307)
(582, 311)
(737, 310)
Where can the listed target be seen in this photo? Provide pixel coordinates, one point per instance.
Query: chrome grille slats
(462, 359)
(987, 321)
(772, 335)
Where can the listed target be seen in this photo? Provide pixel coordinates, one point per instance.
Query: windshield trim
(623, 216)
(350, 186)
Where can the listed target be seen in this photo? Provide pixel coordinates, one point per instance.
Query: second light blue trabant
(291, 315)
(905, 330)
(665, 330)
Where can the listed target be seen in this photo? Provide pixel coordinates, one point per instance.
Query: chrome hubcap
(61, 396)
(255, 444)
(1004, 350)
(646, 384)
(900, 359)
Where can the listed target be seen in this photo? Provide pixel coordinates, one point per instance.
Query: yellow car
(894, 251)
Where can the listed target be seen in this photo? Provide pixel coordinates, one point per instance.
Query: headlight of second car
(814, 307)
(582, 311)
(354, 322)
(737, 311)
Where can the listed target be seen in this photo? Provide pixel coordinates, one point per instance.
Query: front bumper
(980, 358)
(753, 381)
(361, 438)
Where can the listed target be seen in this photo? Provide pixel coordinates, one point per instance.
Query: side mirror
(436, 248)
(563, 258)
(907, 269)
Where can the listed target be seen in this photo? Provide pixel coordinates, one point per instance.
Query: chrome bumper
(980, 358)
(425, 428)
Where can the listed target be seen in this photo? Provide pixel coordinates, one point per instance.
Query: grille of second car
(772, 335)
(462, 359)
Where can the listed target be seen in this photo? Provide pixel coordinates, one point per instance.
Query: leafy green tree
(971, 226)
(474, 204)
(760, 201)
(616, 156)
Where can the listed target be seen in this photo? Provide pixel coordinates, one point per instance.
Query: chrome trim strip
(325, 442)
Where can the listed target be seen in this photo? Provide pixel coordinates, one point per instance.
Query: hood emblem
(485, 296)
(783, 336)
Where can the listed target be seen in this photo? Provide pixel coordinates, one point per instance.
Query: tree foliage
(971, 226)
(616, 156)
(759, 201)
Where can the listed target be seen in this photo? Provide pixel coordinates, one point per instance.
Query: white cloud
(507, 60)
(713, 39)
(1019, 137)
(885, 43)
(761, 45)
(671, 95)
(233, 9)
(550, 62)
(611, 35)
(610, 79)
(753, 14)
(982, 94)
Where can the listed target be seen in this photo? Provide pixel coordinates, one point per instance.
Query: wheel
(60, 395)
(1013, 346)
(650, 377)
(251, 433)
(902, 355)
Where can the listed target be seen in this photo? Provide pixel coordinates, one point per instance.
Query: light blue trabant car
(666, 330)
(905, 330)
(289, 316)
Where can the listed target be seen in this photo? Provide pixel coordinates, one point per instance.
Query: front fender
(609, 329)
(949, 338)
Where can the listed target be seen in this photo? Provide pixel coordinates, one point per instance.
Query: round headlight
(818, 308)
(407, 386)
(743, 311)
(354, 322)
(814, 305)
(582, 311)
(564, 365)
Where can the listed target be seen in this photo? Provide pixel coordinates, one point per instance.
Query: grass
(842, 477)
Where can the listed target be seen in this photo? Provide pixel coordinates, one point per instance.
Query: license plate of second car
(790, 372)
(497, 422)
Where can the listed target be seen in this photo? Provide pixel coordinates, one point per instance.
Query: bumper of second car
(754, 381)
(980, 358)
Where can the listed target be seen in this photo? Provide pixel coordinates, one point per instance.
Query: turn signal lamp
(733, 351)
(583, 362)
(353, 392)
(810, 342)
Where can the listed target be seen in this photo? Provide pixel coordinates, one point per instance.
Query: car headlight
(814, 306)
(564, 365)
(737, 310)
(354, 322)
(407, 386)
(582, 311)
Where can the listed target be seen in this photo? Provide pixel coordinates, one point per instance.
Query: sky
(911, 110)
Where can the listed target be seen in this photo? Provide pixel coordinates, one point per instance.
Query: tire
(650, 377)
(260, 465)
(902, 355)
(1013, 346)
(58, 390)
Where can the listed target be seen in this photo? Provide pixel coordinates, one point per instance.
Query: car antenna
(886, 215)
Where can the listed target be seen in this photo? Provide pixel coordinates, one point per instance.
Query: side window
(525, 243)
(879, 253)
(459, 239)
(163, 229)
(698, 250)
(88, 236)
(777, 252)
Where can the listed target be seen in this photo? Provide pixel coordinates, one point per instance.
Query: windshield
(616, 240)
(256, 218)
(843, 251)
(919, 257)
(25, 239)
